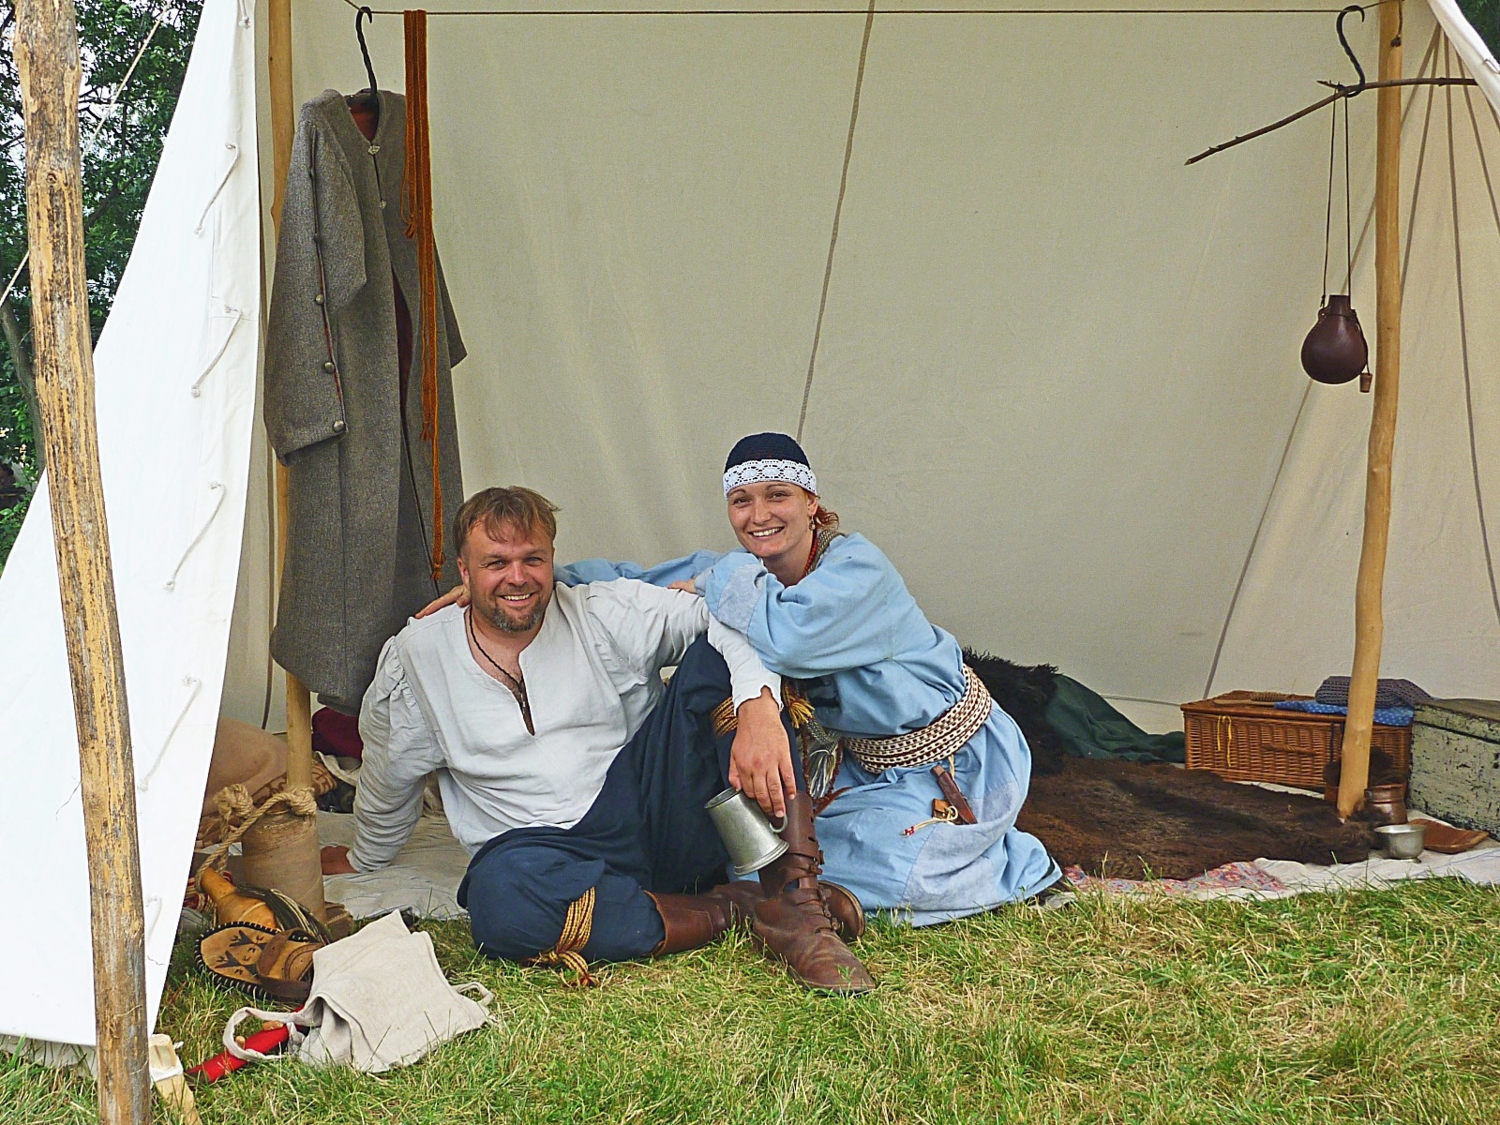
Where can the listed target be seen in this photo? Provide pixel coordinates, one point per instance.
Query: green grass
(1369, 1006)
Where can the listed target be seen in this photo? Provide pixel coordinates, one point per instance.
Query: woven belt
(942, 738)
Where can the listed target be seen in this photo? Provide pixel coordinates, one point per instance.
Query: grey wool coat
(360, 477)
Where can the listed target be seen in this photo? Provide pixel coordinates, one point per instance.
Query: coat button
(338, 426)
(318, 299)
(329, 366)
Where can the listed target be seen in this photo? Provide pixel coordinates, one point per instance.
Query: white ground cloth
(424, 878)
(426, 874)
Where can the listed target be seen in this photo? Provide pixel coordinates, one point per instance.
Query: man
(575, 778)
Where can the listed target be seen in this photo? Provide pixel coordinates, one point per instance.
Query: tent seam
(838, 210)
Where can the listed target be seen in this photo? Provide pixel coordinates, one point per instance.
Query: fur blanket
(1131, 819)
(1134, 820)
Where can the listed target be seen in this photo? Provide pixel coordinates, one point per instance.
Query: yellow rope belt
(797, 706)
(578, 926)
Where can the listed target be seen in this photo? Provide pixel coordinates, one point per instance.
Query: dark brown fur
(1134, 820)
(1023, 692)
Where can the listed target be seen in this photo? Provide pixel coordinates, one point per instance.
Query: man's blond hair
(524, 509)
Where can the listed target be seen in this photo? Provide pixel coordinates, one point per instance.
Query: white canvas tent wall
(1057, 378)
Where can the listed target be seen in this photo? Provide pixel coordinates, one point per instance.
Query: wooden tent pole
(1369, 624)
(279, 50)
(281, 850)
(46, 49)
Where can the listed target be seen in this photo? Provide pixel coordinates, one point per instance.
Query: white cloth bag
(378, 1000)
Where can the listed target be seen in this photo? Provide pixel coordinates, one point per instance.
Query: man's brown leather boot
(793, 923)
(692, 921)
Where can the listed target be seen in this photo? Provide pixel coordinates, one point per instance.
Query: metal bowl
(1402, 841)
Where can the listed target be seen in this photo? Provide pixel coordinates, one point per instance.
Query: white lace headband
(755, 472)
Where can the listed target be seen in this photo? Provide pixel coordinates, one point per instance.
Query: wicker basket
(1242, 737)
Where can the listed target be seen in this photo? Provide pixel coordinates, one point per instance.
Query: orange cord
(416, 208)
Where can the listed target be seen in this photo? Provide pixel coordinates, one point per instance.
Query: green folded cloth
(1091, 728)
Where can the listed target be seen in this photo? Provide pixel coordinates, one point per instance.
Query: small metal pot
(750, 838)
(1386, 804)
(1402, 841)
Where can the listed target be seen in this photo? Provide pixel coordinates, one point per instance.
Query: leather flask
(1335, 350)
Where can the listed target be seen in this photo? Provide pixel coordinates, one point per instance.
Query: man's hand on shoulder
(760, 761)
(336, 861)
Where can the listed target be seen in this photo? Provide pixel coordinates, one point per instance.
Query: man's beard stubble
(502, 621)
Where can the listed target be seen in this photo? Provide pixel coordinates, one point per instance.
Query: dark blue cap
(766, 447)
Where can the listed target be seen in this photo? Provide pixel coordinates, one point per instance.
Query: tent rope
(838, 210)
(1463, 339)
(235, 804)
(1416, 187)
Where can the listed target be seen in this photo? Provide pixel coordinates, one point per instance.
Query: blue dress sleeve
(662, 574)
(843, 615)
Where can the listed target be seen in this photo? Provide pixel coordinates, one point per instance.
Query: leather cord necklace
(516, 684)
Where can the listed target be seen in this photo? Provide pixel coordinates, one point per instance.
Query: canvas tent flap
(176, 377)
(1478, 59)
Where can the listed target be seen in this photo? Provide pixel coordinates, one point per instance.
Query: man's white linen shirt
(592, 673)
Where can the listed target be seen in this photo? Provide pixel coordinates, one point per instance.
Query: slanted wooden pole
(46, 48)
(1369, 622)
(283, 122)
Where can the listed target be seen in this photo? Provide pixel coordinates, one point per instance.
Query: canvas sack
(378, 1000)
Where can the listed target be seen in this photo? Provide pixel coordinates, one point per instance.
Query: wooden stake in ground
(1369, 622)
(46, 47)
(284, 844)
(283, 123)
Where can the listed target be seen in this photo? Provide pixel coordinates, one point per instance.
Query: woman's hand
(760, 761)
(459, 595)
(687, 586)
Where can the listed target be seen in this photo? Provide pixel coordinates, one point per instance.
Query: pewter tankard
(748, 836)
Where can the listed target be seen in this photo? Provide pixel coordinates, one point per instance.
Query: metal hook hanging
(1348, 50)
(364, 13)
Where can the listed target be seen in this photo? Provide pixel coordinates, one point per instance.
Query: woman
(892, 703)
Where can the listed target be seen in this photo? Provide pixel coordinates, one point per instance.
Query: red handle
(224, 1063)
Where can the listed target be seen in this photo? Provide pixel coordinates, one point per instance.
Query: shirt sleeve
(747, 675)
(838, 617)
(662, 574)
(400, 751)
(650, 628)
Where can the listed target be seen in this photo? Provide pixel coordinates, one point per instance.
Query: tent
(1055, 376)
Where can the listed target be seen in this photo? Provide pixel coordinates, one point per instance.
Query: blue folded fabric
(1388, 693)
(1385, 716)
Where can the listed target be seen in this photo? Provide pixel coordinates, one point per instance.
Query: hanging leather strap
(416, 209)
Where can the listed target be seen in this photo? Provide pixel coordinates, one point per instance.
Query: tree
(1485, 16)
(122, 144)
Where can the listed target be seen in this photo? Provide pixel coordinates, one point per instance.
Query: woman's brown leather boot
(793, 923)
